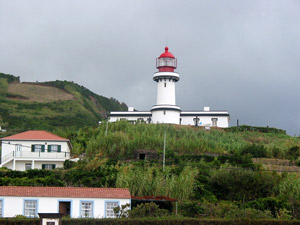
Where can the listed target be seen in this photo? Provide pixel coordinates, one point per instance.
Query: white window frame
(49, 166)
(38, 148)
(30, 207)
(27, 166)
(109, 208)
(54, 148)
(1, 207)
(214, 122)
(86, 209)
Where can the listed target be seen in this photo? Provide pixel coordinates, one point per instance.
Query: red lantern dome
(166, 62)
(166, 54)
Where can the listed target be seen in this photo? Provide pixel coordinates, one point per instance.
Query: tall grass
(123, 138)
(153, 181)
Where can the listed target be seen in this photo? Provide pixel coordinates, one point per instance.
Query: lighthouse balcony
(165, 108)
(166, 75)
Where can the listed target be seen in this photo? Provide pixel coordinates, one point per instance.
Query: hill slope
(49, 105)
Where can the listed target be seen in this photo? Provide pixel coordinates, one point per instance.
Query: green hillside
(213, 174)
(48, 105)
(119, 140)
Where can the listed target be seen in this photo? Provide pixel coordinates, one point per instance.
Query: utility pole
(106, 128)
(164, 155)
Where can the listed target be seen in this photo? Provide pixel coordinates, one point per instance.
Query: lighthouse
(166, 110)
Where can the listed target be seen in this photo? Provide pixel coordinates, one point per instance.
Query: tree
(242, 185)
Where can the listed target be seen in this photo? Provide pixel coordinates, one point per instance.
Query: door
(18, 150)
(65, 208)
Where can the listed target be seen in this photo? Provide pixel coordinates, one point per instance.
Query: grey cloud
(242, 56)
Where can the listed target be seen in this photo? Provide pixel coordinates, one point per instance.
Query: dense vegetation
(210, 173)
(18, 112)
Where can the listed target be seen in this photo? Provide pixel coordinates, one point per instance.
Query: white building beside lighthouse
(165, 110)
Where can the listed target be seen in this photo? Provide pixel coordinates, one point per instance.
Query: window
(30, 208)
(165, 84)
(214, 122)
(27, 166)
(37, 148)
(54, 148)
(1, 206)
(164, 112)
(86, 209)
(48, 166)
(110, 209)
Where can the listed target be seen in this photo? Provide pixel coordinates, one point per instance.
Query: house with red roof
(75, 202)
(34, 149)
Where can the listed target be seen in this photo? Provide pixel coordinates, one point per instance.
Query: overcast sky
(238, 55)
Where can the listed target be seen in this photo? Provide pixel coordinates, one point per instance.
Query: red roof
(35, 135)
(65, 192)
(166, 54)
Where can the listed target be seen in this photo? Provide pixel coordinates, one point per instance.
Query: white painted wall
(130, 118)
(223, 121)
(13, 206)
(170, 117)
(166, 92)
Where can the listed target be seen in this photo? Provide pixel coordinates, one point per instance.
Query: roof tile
(65, 192)
(35, 135)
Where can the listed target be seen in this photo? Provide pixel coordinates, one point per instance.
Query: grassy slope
(49, 105)
(123, 138)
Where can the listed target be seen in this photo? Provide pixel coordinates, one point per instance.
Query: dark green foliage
(147, 210)
(259, 129)
(10, 78)
(104, 176)
(256, 151)
(242, 185)
(270, 203)
(294, 152)
(191, 209)
(68, 164)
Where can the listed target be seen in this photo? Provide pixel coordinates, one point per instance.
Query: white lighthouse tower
(166, 110)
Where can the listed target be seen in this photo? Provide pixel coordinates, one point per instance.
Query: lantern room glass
(168, 62)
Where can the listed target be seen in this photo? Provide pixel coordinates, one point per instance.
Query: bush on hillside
(256, 151)
(147, 210)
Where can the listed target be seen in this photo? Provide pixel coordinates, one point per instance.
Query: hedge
(154, 221)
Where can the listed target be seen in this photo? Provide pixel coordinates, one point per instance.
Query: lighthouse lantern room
(166, 110)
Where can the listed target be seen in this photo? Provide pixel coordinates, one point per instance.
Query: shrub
(191, 209)
(270, 203)
(257, 151)
(148, 210)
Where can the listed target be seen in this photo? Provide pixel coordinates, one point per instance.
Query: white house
(34, 150)
(166, 110)
(74, 202)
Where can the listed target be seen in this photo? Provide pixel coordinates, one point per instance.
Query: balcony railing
(35, 155)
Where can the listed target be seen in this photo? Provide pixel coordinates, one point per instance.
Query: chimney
(206, 109)
(131, 109)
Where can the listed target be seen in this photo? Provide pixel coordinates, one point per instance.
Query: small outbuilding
(145, 154)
